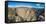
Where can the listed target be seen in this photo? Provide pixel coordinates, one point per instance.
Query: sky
(26, 4)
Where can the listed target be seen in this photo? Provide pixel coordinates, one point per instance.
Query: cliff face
(27, 14)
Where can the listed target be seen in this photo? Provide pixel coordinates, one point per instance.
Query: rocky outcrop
(23, 14)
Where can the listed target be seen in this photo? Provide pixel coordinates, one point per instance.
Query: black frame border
(6, 9)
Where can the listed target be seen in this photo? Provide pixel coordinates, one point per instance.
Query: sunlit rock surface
(19, 14)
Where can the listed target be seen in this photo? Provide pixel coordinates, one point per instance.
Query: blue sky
(31, 4)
